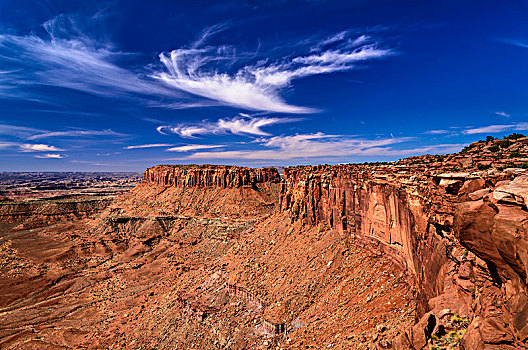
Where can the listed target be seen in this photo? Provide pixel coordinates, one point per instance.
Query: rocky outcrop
(402, 213)
(426, 252)
(495, 228)
(189, 176)
(462, 235)
(36, 213)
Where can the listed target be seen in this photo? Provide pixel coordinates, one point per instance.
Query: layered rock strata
(197, 256)
(209, 176)
(45, 212)
(402, 213)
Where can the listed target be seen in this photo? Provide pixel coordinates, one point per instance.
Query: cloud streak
(186, 77)
(305, 146)
(257, 86)
(491, 129)
(515, 42)
(39, 147)
(49, 156)
(242, 124)
(67, 58)
(148, 145)
(188, 148)
(31, 134)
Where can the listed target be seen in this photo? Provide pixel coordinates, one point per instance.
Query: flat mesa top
(204, 166)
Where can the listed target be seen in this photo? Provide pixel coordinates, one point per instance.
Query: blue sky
(123, 85)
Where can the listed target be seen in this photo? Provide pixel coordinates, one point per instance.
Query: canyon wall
(381, 208)
(209, 176)
(39, 213)
(462, 238)
(494, 225)
(459, 236)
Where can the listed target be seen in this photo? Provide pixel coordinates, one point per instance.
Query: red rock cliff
(457, 223)
(209, 176)
(398, 211)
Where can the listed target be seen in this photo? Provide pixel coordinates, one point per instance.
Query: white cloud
(491, 129)
(242, 124)
(303, 146)
(27, 147)
(437, 132)
(5, 145)
(50, 155)
(75, 133)
(189, 77)
(515, 42)
(32, 134)
(258, 86)
(503, 114)
(149, 145)
(68, 58)
(188, 148)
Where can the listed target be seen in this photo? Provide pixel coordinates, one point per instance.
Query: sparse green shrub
(494, 148)
(514, 136)
(483, 166)
(489, 138)
(522, 165)
(456, 318)
(515, 154)
(465, 149)
(505, 143)
(465, 254)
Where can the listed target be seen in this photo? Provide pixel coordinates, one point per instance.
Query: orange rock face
(209, 176)
(426, 252)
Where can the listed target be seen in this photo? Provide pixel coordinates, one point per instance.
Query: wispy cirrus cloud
(148, 145)
(68, 58)
(31, 134)
(242, 124)
(488, 129)
(437, 132)
(306, 146)
(515, 42)
(188, 148)
(491, 129)
(204, 71)
(503, 114)
(193, 76)
(38, 147)
(76, 133)
(49, 156)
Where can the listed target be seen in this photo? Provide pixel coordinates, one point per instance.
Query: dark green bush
(515, 154)
(505, 143)
(514, 136)
(465, 149)
(494, 148)
(483, 166)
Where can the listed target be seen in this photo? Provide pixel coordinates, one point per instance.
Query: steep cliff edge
(222, 176)
(426, 252)
(38, 213)
(400, 212)
(469, 276)
(494, 225)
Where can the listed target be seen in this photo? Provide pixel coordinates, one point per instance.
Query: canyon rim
(280, 174)
(425, 252)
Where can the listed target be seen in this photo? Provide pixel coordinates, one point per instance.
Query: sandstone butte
(429, 252)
